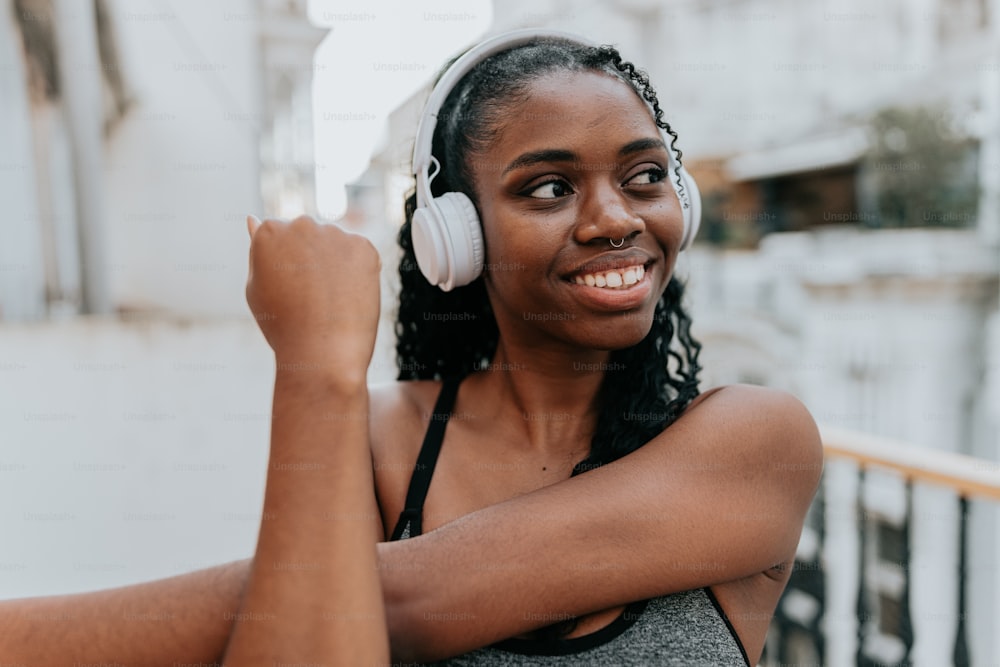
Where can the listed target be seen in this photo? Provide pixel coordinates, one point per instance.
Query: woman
(566, 495)
(555, 144)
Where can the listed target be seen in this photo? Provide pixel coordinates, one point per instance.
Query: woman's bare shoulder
(392, 397)
(398, 416)
(756, 397)
(774, 405)
(758, 426)
(398, 410)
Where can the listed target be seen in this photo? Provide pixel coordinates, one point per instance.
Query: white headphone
(447, 238)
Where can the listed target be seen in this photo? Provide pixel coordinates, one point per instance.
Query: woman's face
(578, 165)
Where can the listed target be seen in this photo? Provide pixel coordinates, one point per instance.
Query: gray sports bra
(687, 629)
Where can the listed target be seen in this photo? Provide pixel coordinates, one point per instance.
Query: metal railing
(883, 574)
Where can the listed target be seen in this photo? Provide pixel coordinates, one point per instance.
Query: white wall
(129, 450)
(22, 279)
(182, 168)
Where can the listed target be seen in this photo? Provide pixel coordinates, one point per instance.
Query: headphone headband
(466, 62)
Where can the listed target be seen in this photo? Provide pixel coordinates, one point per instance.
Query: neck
(549, 396)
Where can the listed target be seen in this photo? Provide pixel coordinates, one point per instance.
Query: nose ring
(617, 245)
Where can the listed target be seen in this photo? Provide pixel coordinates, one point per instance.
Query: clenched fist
(314, 291)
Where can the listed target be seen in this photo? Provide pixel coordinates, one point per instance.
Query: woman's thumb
(253, 222)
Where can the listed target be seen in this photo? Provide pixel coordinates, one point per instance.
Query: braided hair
(444, 334)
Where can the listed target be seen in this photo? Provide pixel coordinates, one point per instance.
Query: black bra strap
(420, 481)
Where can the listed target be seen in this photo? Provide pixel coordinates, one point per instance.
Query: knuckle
(369, 253)
(303, 220)
(267, 227)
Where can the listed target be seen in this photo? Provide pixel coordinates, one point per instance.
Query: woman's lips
(626, 288)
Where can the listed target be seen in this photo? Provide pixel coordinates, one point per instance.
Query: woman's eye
(648, 177)
(550, 190)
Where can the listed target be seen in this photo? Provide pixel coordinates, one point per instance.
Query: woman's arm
(718, 496)
(185, 619)
(313, 595)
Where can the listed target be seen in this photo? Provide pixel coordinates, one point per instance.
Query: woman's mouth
(613, 279)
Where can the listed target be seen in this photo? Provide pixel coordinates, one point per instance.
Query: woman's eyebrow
(559, 155)
(534, 157)
(641, 145)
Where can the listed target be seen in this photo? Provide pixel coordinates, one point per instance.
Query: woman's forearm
(185, 619)
(313, 594)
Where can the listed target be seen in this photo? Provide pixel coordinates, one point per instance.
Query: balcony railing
(883, 573)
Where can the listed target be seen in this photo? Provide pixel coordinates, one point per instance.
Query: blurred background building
(849, 159)
(135, 137)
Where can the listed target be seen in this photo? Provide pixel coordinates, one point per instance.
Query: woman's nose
(605, 214)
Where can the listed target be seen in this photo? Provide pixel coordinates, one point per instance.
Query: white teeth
(613, 279)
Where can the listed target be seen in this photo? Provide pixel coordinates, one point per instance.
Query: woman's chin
(619, 335)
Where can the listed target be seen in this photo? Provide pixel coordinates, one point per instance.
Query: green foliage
(919, 171)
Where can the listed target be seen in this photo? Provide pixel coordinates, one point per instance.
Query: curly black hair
(444, 334)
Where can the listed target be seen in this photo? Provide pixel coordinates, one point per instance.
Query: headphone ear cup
(429, 244)
(460, 223)
(448, 241)
(692, 213)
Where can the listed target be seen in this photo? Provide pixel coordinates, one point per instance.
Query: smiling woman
(560, 149)
(573, 499)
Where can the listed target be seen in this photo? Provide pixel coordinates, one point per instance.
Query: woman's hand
(314, 595)
(314, 291)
